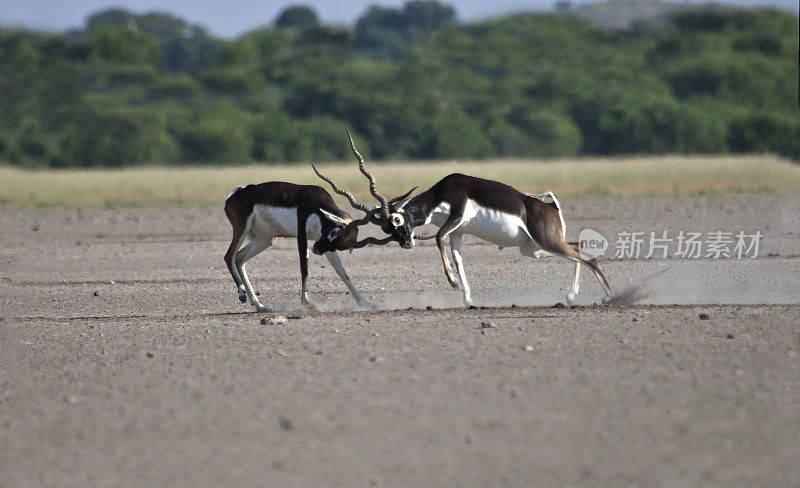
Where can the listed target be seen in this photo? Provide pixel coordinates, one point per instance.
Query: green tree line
(411, 83)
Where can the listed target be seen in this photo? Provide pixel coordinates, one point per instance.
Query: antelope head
(337, 234)
(389, 215)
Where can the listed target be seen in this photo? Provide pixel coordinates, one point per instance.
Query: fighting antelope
(459, 204)
(275, 209)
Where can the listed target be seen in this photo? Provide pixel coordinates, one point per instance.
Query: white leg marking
(236, 251)
(333, 258)
(576, 283)
(608, 296)
(455, 248)
(252, 249)
(447, 271)
(235, 268)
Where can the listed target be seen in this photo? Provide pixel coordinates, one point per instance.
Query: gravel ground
(127, 360)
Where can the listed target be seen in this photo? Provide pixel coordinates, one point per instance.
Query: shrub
(457, 136)
(278, 137)
(117, 137)
(218, 133)
(297, 17)
(764, 132)
(121, 44)
(549, 133)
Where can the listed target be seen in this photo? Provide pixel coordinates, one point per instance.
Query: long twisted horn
(402, 197)
(372, 241)
(372, 186)
(344, 193)
(365, 219)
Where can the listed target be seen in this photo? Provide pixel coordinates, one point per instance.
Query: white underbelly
(493, 226)
(269, 222)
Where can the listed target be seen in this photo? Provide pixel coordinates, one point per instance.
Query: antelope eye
(334, 233)
(397, 220)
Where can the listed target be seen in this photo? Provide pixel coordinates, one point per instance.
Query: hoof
(456, 286)
(261, 308)
(607, 299)
(468, 302)
(242, 298)
(570, 299)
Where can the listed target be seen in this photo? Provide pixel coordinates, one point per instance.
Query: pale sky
(232, 17)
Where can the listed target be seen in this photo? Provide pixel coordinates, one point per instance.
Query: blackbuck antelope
(459, 204)
(275, 209)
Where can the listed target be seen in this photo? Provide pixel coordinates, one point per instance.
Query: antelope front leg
(452, 223)
(302, 248)
(455, 248)
(333, 258)
(448, 271)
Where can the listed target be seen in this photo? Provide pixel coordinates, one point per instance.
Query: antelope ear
(405, 199)
(335, 218)
(375, 218)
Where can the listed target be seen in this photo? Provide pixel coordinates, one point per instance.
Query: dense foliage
(410, 83)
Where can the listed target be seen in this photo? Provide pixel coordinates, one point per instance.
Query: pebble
(274, 320)
(285, 424)
(704, 316)
(488, 325)
(96, 293)
(150, 355)
(528, 348)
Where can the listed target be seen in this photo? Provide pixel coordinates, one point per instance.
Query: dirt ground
(126, 359)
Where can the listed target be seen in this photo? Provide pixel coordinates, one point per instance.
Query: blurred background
(416, 80)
